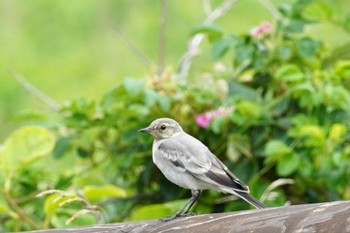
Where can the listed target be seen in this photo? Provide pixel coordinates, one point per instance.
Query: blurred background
(53, 44)
(267, 91)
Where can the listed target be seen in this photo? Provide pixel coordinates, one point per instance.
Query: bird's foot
(168, 218)
(171, 217)
(189, 214)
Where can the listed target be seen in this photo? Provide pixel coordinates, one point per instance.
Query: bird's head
(163, 128)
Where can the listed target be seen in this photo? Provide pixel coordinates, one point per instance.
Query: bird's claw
(187, 214)
(168, 218)
(171, 217)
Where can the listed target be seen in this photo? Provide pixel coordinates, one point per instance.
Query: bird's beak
(145, 130)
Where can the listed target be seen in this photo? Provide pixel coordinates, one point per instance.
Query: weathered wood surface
(322, 217)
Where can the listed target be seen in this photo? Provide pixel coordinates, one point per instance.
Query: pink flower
(263, 29)
(204, 119)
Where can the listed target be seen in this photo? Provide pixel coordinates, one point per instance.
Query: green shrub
(276, 112)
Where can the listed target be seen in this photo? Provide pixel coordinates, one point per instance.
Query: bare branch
(207, 7)
(51, 191)
(137, 53)
(274, 185)
(20, 212)
(220, 11)
(193, 45)
(34, 91)
(272, 9)
(82, 212)
(68, 201)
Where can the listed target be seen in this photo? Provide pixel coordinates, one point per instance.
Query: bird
(188, 163)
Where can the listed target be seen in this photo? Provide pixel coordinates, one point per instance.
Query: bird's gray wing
(189, 153)
(185, 154)
(222, 175)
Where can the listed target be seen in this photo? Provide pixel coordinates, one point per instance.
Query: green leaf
(290, 73)
(275, 150)
(232, 153)
(307, 96)
(244, 51)
(134, 86)
(340, 53)
(339, 159)
(4, 208)
(114, 96)
(316, 11)
(30, 115)
(342, 68)
(295, 25)
(245, 169)
(305, 168)
(96, 193)
(237, 89)
(82, 152)
(221, 46)
(346, 23)
(157, 210)
(286, 70)
(337, 131)
(164, 103)
(25, 146)
(288, 164)
(216, 125)
(249, 109)
(313, 134)
(52, 203)
(307, 48)
(62, 145)
(284, 52)
(212, 31)
(150, 97)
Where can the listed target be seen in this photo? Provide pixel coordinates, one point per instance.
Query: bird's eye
(163, 127)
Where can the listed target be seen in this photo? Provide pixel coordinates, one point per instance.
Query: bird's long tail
(251, 200)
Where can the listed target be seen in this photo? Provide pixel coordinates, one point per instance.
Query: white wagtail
(188, 163)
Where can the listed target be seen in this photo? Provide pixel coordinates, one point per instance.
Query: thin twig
(34, 91)
(272, 9)
(220, 11)
(21, 214)
(193, 45)
(274, 185)
(207, 7)
(162, 30)
(137, 53)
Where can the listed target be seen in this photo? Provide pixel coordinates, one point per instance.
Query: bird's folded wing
(188, 154)
(220, 173)
(182, 156)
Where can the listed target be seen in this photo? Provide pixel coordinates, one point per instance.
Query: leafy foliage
(290, 102)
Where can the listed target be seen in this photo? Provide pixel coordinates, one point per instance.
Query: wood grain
(321, 217)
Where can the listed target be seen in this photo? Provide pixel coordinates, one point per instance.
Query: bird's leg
(183, 212)
(195, 196)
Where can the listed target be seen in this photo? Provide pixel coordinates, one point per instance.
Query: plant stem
(21, 214)
(193, 45)
(138, 54)
(272, 9)
(35, 91)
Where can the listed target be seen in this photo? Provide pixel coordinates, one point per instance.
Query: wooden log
(321, 217)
